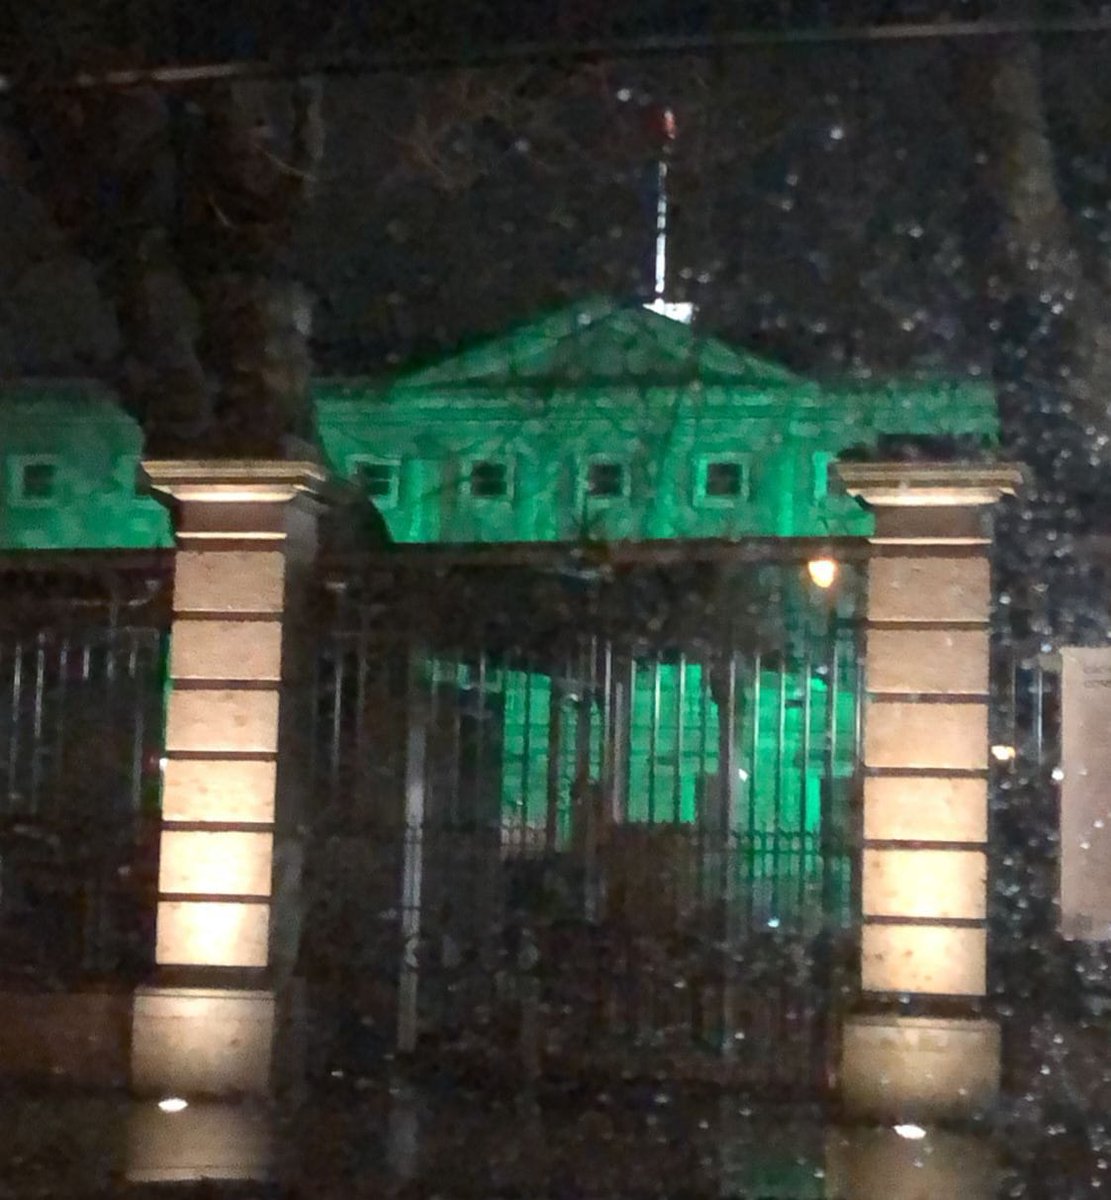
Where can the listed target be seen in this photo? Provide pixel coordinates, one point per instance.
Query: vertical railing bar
(412, 868)
(62, 707)
(828, 797)
(477, 818)
(439, 695)
(607, 772)
(804, 828)
(599, 794)
(604, 810)
(526, 750)
(139, 729)
(630, 716)
(456, 748)
(339, 650)
(359, 776)
(1039, 716)
(653, 739)
(555, 751)
(17, 717)
(680, 740)
(39, 702)
(315, 722)
(755, 774)
(581, 790)
(727, 780)
(622, 735)
(754, 853)
(703, 797)
(780, 785)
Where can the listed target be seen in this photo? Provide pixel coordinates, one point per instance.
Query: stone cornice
(929, 484)
(258, 481)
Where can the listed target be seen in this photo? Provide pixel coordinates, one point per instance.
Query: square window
(38, 480)
(378, 479)
(605, 480)
(724, 479)
(489, 480)
(721, 480)
(34, 480)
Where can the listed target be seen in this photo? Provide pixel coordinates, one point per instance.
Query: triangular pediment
(601, 343)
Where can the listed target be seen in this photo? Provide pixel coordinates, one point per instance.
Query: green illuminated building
(602, 422)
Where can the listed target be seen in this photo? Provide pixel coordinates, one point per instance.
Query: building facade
(597, 424)
(600, 422)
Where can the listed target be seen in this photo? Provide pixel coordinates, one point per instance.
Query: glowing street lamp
(822, 571)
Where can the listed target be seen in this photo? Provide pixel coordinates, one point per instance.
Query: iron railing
(595, 814)
(81, 687)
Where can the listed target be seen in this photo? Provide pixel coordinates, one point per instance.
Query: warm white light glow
(212, 933)
(228, 863)
(675, 310)
(913, 1133)
(1003, 753)
(935, 960)
(823, 571)
(173, 1104)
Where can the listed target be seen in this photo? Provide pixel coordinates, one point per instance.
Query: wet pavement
(371, 1136)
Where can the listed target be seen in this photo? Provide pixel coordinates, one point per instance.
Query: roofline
(647, 552)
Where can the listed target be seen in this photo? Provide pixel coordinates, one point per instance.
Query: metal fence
(1036, 974)
(81, 684)
(589, 816)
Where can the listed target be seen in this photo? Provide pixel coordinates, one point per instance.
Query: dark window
(489, 480)
(38, 481)
(377, 479)
(724, 479)
(605, 479)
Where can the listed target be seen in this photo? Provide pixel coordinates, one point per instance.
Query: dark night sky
(825, 213)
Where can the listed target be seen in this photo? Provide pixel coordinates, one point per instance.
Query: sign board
(1086, 794)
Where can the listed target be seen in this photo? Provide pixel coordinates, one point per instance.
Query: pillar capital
(244, 501)
(928, 503)
(929, 484)
(247, 480)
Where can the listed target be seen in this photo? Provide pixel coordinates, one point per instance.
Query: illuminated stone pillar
(207, 1030)
(870, 1163)
(920, 1047)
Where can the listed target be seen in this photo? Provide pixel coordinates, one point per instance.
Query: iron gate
(596, 819)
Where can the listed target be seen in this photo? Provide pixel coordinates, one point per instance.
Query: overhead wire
(188, 75)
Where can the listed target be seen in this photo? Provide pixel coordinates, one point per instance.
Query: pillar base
(921, 1069)
(207, 1140)
(863, 1164)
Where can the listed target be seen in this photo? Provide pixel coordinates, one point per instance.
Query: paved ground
(358, 1137)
